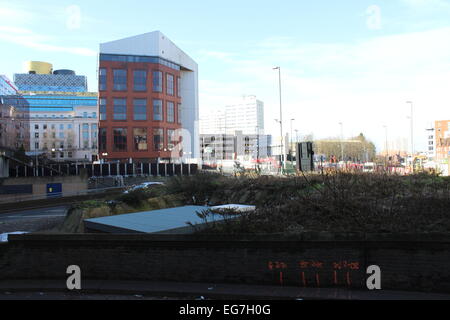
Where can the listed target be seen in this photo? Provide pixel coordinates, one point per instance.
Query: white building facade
(246, 115)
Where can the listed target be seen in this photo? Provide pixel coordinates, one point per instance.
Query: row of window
(53, 126)
(61, 146)
(61, 134)
(139, 59)
(140, 80)
(140, 110)
(140, 139)
(86, 115)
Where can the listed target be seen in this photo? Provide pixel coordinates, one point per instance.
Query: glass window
(61, 126)
(157, 110)
(94, 135)
(120, 79)
(102, 79)
(171, 143)
(120, 139)
(158, 139)
(69, 126)
(140, 109)
(179, 113)
(36, 146)
(36, 135)
(102, 109)
(140, 80)
(140, 139)
(85, 114)
(61, 135)
(178, 86)
(36, 126)
(170, 84)
(120, 109)
(157, 81)
(85, 135)
(102, 139)
(170, 112)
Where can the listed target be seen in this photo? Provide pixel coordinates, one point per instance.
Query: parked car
(144, 185)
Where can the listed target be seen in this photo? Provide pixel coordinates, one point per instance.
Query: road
(32, 220)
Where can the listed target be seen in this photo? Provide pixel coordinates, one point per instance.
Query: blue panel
(54, 190)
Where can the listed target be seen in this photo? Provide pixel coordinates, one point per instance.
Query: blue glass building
(63, 114)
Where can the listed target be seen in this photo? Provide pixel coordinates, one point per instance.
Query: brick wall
(407, 262)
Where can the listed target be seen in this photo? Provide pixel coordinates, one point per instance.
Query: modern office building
(235, 132)
(246, 115)
(148, 91)
(237, 146)
(63, 115)
(14, 117)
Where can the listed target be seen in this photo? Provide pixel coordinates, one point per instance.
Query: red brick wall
(130, 123)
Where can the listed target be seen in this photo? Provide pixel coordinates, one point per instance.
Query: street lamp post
(283, 163)
(386, 144)
(342, 140)
(291, 138)
(412, 128)
(412, 135)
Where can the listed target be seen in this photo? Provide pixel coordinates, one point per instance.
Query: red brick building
(442, 130)
(139, 109)
(147, 102)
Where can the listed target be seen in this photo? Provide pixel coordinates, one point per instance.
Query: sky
(354, 62)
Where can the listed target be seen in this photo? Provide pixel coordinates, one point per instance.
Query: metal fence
(106, 170)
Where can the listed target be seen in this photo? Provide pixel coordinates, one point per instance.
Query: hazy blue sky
(350, 61)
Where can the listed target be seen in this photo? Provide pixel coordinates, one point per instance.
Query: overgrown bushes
(335, 202)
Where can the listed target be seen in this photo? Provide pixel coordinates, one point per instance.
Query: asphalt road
(32, 220)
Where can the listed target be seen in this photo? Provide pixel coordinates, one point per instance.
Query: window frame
(118, 86)
(121, 113)
(146, 139)
(124, 130)
(144, 86)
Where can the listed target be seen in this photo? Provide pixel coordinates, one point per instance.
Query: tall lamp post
(283, 163)
(386, 143)
(291, 145)
(412, 127)
(342, 140)
(412, 135)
